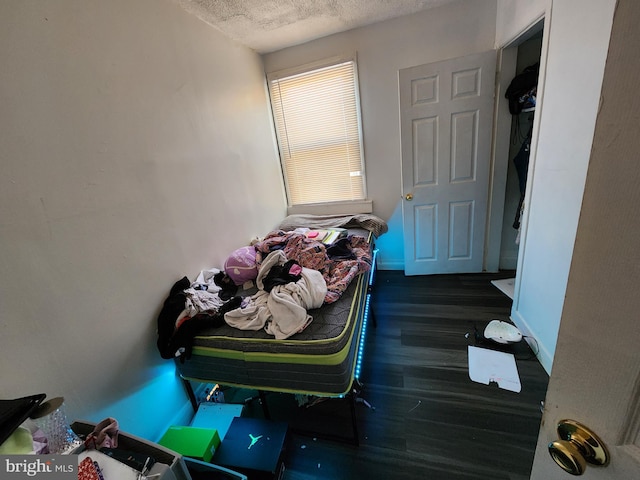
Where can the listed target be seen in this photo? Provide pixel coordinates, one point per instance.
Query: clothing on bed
(282, 312)
(186, 312)
(320, 360)
(198, 301)
(326, 273)
(341, 250)
(310, 253)
(290, 271)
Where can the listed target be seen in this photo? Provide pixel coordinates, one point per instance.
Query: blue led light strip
(365, 318)
(373, 267)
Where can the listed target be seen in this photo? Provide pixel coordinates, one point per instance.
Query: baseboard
(390, 265)
(544, 356)
(182, 417)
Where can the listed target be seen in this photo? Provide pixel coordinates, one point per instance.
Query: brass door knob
(409, 196)
(577, 447)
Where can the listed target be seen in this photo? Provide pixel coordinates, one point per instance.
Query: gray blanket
(363, 220)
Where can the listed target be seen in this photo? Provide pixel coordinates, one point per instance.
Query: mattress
(320, 360)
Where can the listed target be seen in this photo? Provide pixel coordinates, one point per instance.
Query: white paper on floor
(487, 366)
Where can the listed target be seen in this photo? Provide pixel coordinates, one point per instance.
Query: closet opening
(521, 62)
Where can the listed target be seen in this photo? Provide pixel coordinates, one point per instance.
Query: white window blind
(317, 120)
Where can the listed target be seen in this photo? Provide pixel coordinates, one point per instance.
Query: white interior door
(446, 119)
(595, 378)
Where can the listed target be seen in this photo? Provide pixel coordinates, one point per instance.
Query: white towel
(283, 311)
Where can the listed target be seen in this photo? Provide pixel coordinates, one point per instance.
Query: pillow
(241, 265)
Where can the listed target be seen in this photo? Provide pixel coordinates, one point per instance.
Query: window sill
(333, 208)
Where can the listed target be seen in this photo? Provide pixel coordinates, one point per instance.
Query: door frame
(507, 56)
(505, 71)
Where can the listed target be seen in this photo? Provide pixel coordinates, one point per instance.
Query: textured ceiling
(270, 25)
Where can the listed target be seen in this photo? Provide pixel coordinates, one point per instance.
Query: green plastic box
(193, 442)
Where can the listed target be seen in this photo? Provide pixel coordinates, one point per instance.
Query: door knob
(577, 446)
(409, 196)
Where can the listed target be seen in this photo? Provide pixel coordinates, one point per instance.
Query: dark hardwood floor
(428, 419)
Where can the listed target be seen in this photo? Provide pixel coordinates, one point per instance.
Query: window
(317, 120)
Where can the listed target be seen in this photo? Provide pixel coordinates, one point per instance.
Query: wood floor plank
(429, 420)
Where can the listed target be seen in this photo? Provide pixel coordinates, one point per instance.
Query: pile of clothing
(191, 307)
(292, 273)
(286, 291)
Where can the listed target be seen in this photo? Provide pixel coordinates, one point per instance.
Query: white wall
(514, 17)
(135, 148)
(572, 69)
(450, 31)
